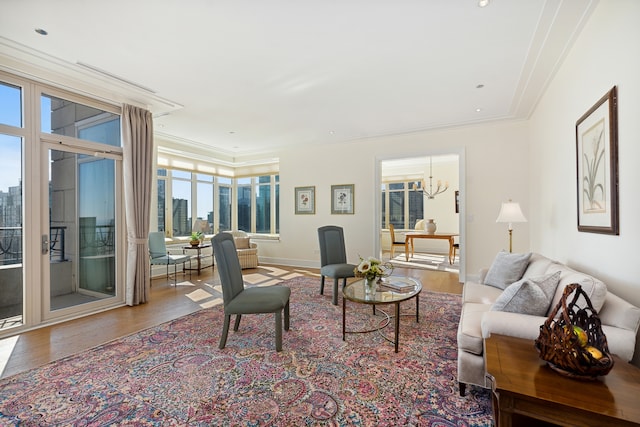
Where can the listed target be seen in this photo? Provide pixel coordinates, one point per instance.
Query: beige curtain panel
(137, 144)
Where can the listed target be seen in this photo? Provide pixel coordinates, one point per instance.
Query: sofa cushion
(242, 242)
(506, 269)
(594, 288)
(477, 292)
(538, 265)
(529, 295)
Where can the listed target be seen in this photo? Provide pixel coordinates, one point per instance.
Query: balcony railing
(11, 244)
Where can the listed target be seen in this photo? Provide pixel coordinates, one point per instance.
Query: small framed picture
(305, 200)
(597, 165)
(342, 199)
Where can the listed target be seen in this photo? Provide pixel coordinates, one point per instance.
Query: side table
(199, 256)
(526, 389)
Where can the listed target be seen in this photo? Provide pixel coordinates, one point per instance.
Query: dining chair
(159, 255)
(394, 243)
(333, 258)
(239, 300)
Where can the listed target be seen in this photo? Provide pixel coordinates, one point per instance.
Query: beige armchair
(247, 251)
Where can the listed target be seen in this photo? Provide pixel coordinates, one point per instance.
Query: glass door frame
(54, 142)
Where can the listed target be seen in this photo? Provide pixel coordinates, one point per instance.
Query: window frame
(409, 186)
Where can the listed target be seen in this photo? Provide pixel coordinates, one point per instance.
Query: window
(204, 201)
(63, 117)
(277, 202)
(181, 202)
(402, 205)
(224, 204)
(244, 204)
(162, 195)
(11, 111)
(208, 199)
(263, 204)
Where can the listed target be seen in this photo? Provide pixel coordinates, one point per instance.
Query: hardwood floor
(40, 346)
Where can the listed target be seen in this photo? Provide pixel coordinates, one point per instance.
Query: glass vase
(370, 286)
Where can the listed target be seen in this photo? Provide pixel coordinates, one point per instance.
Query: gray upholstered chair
(238, 300)
(333, 258)
(158, 255)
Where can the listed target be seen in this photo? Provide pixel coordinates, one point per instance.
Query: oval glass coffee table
(384, 294)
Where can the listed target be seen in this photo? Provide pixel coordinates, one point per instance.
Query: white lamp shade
(511, 212)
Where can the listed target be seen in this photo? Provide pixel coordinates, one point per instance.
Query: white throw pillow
(528, 296)
(506, 269)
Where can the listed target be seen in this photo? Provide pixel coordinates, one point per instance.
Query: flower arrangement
(372, 268)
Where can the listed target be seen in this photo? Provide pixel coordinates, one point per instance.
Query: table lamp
(510, 212)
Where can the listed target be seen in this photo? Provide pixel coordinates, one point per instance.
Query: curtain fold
(137, 144)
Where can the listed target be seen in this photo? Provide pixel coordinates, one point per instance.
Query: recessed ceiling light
(41, 31)
(478, 110)
(483, 3)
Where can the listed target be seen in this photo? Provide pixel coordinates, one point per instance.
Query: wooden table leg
(451, 242)
(406, 248)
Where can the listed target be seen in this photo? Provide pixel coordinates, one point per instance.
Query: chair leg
(335, 291)
(286, 317)
(225, 331)
(278, 330)
(321, 285)
(175, 275)
(463, 388)
(393, 249)
(237, 324)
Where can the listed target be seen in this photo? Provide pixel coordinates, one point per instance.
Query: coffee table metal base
(389, 298)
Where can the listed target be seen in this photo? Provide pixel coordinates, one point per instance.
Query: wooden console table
(408, 241)
(525, 388)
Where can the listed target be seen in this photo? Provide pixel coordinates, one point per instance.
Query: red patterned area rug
(175, 375)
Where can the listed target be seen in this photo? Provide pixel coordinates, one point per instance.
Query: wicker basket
(559, 345)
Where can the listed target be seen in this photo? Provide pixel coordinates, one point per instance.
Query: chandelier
(439, 187)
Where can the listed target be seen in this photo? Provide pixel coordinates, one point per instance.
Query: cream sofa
(620, 319)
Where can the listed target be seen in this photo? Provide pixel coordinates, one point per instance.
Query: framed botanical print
(597, 166)
(342, 199)
(305, 200)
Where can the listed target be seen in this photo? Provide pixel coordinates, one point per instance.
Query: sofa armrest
(511, 324)
(619, 313)
(483, 273)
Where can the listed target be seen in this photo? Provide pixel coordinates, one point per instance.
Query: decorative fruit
(595, 353)
(580, 334)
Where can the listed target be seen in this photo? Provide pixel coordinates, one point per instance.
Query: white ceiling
(250, 77)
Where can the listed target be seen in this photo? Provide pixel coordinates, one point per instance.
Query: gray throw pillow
(506, 269)
(528, 296)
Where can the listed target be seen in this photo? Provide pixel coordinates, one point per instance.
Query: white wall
(605, 54)
(493, 164)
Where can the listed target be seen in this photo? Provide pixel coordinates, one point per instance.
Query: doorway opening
(420, 198)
